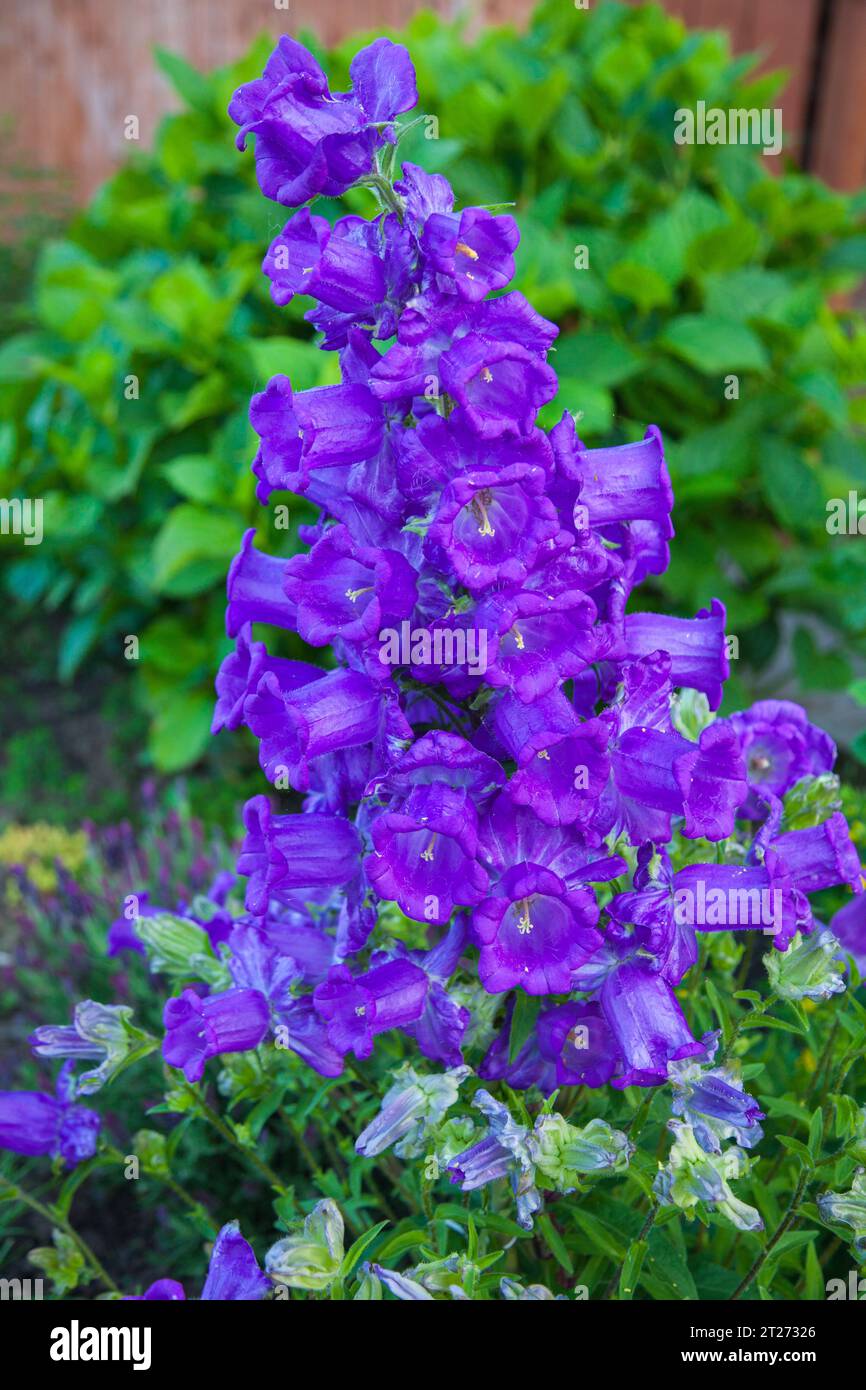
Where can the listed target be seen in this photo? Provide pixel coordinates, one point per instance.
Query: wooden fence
(71, 70)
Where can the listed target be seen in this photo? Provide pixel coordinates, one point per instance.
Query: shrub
(701, 264)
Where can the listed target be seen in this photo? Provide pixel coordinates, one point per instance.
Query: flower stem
(216, 1122)
(18, 1194)
(755, 1012)
(786, 1221)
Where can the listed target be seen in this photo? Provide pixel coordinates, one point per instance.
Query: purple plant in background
(33, 1122)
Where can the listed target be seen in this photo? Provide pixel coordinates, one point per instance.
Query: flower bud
(311, 1259)
(563, 1151)
(848, 1209)
(809, 969)
(412, 1108)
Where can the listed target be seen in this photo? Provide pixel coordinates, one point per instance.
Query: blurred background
(136, 324)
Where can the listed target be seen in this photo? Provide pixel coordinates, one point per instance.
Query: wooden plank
(71, 71)
(840, 136)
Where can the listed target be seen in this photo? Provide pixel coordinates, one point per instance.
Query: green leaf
(399, 1243)
(667, 1268)
(715, 346)
(526, 1010)
(814, 1285)
(796, 1147)
(631, 1269)
(180, 730)
(816, 1133)
(719, 1008)
(190, 533)
(197, 477)
(62, 1262)
(355, 1251)
(555, 1243)
(601, 1235)
(641, 284)
(792, 491)
(195, 88)
(596, 359)
(76, 641)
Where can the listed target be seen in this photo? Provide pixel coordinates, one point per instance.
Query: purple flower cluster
(505, 808)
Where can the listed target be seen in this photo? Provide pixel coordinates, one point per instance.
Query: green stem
(756, 1011)
(385, 193)
(805, 1178)
(786, 1221)
(18, 1194)
(168, 1181)
(216, 1122)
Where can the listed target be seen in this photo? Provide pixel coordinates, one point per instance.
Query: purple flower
(696, 647)
(356, 1008)
(361, 272)
(650, 907)
(344, 590)
(34, 1122)
(304, 1031)
(849, 925)
(439, 777)
(529, 1068)
(425, 845)
(285, 852)
(544, 639)
(255, 589)
(780, 747)
(757, 896)
(241, 671)
(195, 1029)
(534, 932)
(309, 140)
(256, 963)
(425, 853)
(647, 1025)
(162, 1291)
(821, 856)
(499, 386)
(562, 762)
(122, 935)
(490, 525)
(712, 1100)
(655, 773)
(344, 709)
(578, 1040)
(505, 1151)
(99, 1032)
(326, 427)
(627, 483)
(424, 194)
(440, 1028)
(233, 1274)
(472, 250)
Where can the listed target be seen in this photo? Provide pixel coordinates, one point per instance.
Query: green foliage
(701, 266)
